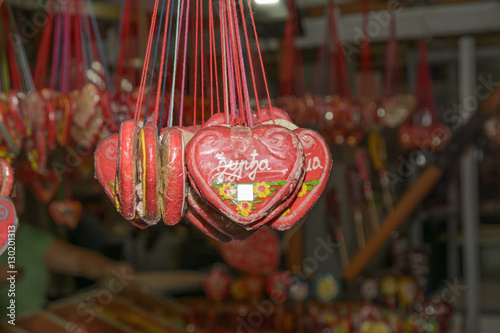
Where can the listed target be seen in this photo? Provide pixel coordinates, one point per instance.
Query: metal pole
(470, 194)
(453, 202)
(452, 195)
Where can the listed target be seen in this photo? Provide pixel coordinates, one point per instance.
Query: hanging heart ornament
(66, 212)
(8, 224)
(245, 173)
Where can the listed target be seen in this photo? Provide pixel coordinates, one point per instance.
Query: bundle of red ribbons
(246, 167)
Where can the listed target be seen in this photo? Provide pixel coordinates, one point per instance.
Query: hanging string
(213, 55)
(195, 95)
(43, 54)
(55, 52)
(423, 88)
(180, 7)
(80, 73)
(230, 77)
(136, 46)
(184, 65)
(210, 19)
(15, 77)
(245, 112)
(123, 24)
(392, 70)
(164, 83)
(100, 45)
(162, 64)
(224, 62)
(230, 69)
(202, 66)
(141, 27)
(146, 64)
(260, 56)
(254, 81)
(88, 57)
(341, 80)
(235, 70)
(66, 50)
(4, 57)
(243, 71)
(19, 54)
(367, 84)
(240, 68)
(150, 88)
(4, 64)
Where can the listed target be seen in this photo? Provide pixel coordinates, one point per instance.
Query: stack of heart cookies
(235, 179)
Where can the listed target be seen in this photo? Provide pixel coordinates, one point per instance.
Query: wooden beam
(403, 208)
(357, 7)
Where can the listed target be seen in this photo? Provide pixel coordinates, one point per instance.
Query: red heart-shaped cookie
(8, 224)
(86, 105)
(66, 212)
(205, 227)
(105, 163)
(105, 156)
(87, 136)
(281, 118)
(174, 175)
(218, 221)
(11, 137)
(216, 119)
(125, 182)
(433, 137)
(264, 164)
(149, 174)
(64, 105)
(45, 186)
(274, 213)
(33, 106)
(50, 114)
(318, 166)
(258, 254)
(7, 178)
(16, 113)
(396, 109)
(269, 113)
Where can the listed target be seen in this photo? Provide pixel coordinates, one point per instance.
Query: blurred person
(38, 253)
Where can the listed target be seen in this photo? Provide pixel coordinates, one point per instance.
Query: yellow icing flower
(287, 211)
(227, 191)
(244, 208)
(303, 191)
(262, 189)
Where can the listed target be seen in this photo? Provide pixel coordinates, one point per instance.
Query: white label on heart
(245, 192)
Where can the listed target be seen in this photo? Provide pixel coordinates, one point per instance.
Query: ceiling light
(266, 2)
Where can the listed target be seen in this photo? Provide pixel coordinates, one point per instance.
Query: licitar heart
(268, 159)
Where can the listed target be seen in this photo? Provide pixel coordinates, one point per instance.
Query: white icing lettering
(314, 164)
(233, 170)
